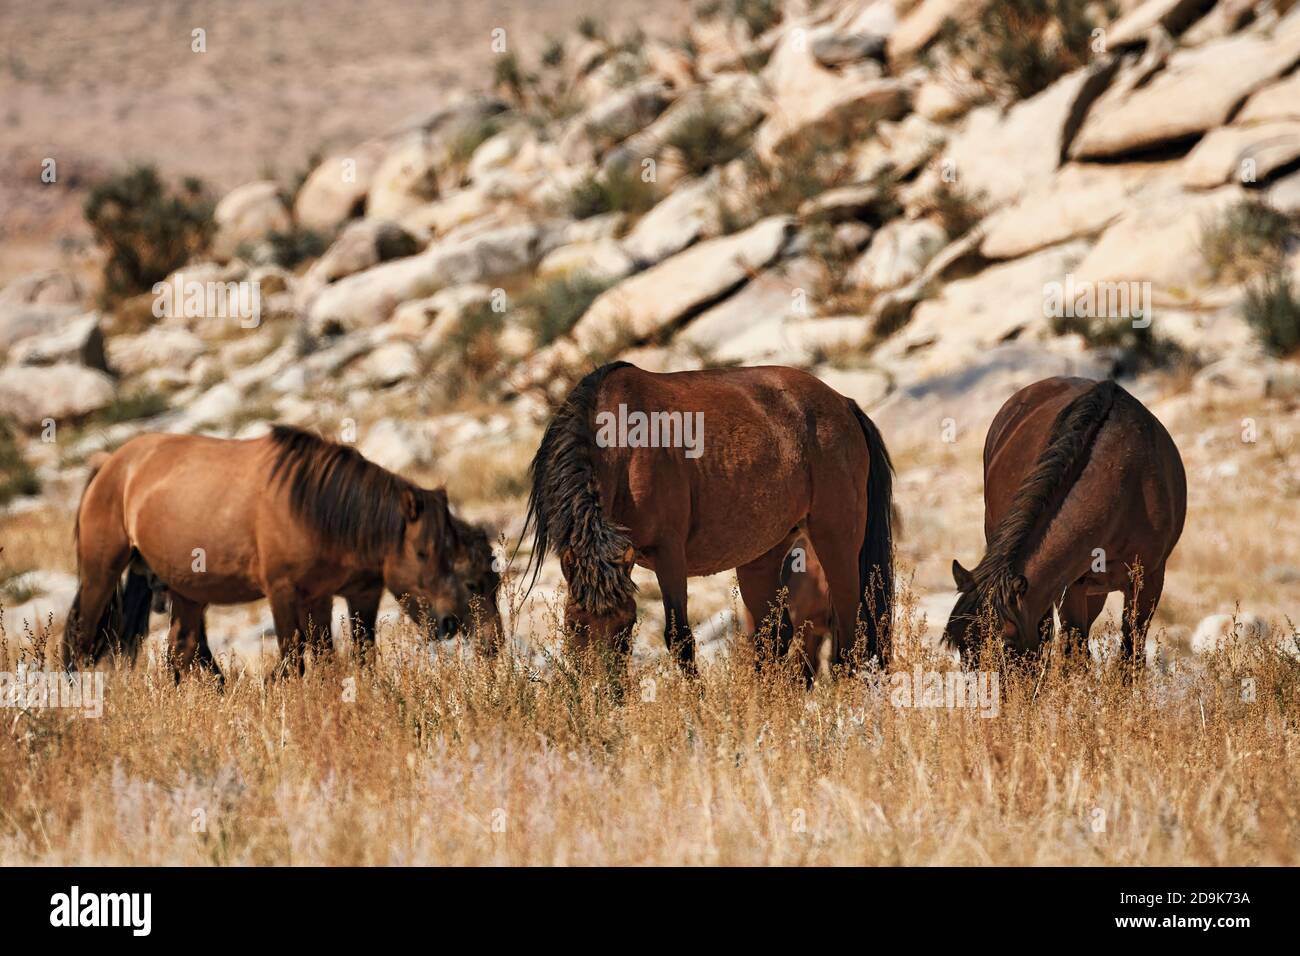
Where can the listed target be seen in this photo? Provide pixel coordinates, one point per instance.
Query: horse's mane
(564, 504)
(1053, 475)
(349, 501)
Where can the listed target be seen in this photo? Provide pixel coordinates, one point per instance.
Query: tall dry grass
(471, 761)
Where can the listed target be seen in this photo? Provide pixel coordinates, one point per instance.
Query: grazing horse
(693, 473)
(290, 517)
(1082, 485)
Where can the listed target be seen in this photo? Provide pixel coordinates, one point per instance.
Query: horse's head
(474, 564)
(606, 622)
(968, 614)
(421, 570)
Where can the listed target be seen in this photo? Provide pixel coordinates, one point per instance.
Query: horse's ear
(1019, 585)
(964, 580)
(629, 558)
(411, 504)
(566, 561)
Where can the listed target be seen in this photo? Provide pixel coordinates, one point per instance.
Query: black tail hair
(137, 601)
(564, 502)
(876, 558)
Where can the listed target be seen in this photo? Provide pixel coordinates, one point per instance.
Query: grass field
(457, 761)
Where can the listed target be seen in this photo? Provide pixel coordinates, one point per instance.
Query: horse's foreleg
(1079, 610)
(363, 611)
(316, 626)
(1139, 608)
(285, 610)
(670, 567)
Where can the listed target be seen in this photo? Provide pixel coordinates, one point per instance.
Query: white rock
(79, 340)
(1220, 631)
(335, 191)
(171, 348)
(897, 253)
(406, 179)
(30, 394)
(1197, 91)
(246, 215)
(650, 301)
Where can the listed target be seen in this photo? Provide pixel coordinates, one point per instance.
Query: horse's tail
(93, 646)
(137, 601)
(564, 503)
(876, 557)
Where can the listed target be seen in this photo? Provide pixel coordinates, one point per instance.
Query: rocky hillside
(927, 204)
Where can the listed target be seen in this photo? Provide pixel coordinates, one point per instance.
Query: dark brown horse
(1082, 486)
(290, 517)
(694, 473)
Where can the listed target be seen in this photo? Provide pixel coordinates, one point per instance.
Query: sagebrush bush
(291, 249)
(707, 137)
(146, 230)
(1247, 238)
(621, 189)
(555, 305)
(17, 477)
(131, 407)
(1272, 307)
(1017, 48)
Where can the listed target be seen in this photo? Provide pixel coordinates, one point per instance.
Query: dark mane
(564, 504)
(1055, 472)
(349, 501)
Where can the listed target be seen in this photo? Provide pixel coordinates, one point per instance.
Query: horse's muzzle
(448, 626)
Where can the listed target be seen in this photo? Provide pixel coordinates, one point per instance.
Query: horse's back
(1141, 465)
(771, 442)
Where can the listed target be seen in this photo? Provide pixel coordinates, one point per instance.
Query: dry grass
(471, 762)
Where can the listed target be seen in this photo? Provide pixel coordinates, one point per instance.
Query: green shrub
(132, 407)
(553, 54)
(1020, 47)
(17, 477)
(619, 190)
(1249, 237)
(555, 305)
(707, 137)
(291, 249)
(146, 231)
(1272, 306)
(806, 168)
(1139, 347)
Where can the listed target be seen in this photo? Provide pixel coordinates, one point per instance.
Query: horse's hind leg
(760, 586)
(102, 558)
(186, 641)
(1139, 608)
(837, 543)
(204, 656)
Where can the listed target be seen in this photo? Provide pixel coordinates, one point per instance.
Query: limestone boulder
(248, 215)
(1197, 91)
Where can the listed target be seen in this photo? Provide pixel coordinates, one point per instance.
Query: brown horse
(1082, 485)
(290, 517)
(693, 473)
